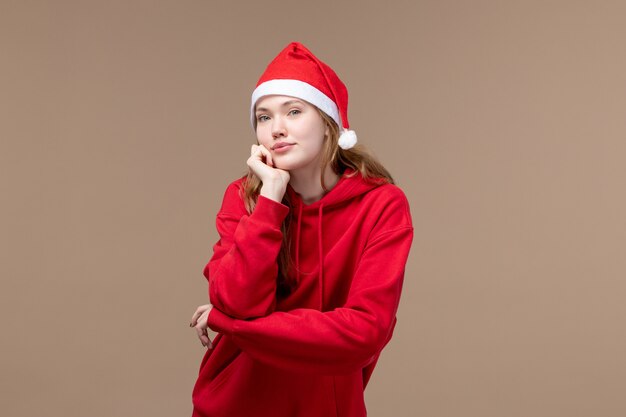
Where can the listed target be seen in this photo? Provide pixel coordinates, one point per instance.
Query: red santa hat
(296, 72)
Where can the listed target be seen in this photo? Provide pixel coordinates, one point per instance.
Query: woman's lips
(283, 147)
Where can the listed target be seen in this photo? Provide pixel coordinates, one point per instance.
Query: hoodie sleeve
(339, 341)
(242, 271)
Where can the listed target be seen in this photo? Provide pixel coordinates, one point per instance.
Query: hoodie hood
(350, 185)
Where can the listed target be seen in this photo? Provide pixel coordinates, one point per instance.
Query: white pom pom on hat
(296, 72)
(347, 139)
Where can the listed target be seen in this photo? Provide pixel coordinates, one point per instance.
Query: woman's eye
(295, 110)
(262, 118)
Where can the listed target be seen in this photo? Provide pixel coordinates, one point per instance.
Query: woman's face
(285, 120)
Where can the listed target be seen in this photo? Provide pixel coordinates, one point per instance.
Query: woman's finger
(259, 151)
(201, 329)
(206, 342)
(198, 313)
(202, 335)
(268, 155)
(204, 339)
(194, 317)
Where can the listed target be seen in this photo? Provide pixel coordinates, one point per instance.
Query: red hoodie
(310, 354)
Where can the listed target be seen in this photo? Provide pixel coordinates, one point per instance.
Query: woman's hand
(274, 180)
(199, 321)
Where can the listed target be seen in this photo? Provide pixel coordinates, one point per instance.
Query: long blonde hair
(359, 158)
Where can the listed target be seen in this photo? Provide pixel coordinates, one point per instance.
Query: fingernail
(210, 345)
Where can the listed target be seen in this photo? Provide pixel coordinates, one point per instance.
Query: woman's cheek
(265, 135)
(262, 139)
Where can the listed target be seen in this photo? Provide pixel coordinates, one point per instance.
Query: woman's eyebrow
(286, 103)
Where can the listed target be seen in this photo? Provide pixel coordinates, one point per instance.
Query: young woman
(305, 280)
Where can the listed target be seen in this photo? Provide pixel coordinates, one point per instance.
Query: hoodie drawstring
(321, 255)
(319, 249)
(298, 244)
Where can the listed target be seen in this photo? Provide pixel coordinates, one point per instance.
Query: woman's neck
(307, 183)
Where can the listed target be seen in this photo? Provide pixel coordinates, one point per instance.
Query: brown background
(123, 121)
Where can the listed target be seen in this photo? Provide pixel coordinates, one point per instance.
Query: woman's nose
(278, 127)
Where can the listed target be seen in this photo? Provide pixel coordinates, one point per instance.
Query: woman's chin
(285, 166)
(293, 165)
